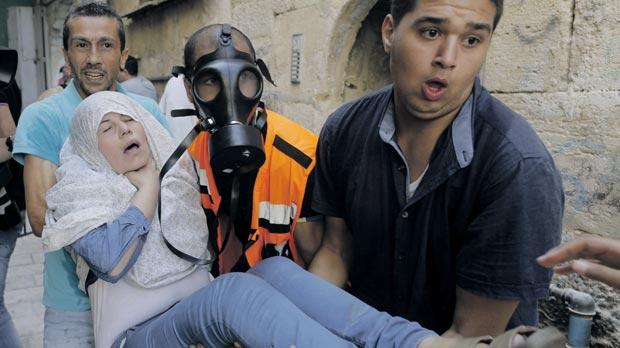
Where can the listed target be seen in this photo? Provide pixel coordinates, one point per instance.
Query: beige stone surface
(158, 39)
(531, 47)
(556, 62)
(595, 51)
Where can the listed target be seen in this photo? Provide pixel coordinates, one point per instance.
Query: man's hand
(38, 178)
(593, 257)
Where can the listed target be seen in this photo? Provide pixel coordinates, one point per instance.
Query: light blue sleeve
(40, 133)
(103, 247)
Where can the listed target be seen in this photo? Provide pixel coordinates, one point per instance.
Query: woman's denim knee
(273, 266)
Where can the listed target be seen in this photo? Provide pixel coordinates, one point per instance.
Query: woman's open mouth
(132, 147)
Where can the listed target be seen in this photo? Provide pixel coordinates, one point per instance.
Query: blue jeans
(276, 304)
(8, 333)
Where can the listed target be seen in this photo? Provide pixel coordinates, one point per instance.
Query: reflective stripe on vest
(277, 216)
(278, 191)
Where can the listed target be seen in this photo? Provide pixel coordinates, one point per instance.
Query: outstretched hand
(593, 257)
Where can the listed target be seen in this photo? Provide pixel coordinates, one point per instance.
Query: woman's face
(122, 141)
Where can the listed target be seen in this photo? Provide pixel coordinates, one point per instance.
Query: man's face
(435, 53)
(122, 142)
(94, 53)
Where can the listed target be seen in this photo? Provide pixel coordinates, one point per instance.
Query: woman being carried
(103, 210)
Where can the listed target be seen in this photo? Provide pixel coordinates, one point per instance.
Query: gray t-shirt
(142, 86)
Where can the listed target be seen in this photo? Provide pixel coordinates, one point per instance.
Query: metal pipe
(582, 309)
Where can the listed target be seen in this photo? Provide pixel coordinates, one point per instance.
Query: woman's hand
(146, 180)
(145, 177)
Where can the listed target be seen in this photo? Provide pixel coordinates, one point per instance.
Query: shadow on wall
(368, 65)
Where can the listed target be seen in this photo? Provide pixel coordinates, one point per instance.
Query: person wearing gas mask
(256, 165)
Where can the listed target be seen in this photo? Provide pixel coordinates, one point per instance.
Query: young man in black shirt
(438, 198)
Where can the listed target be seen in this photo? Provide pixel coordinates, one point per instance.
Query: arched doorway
(367, 68)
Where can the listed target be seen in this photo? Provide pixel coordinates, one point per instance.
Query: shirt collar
(461, 128)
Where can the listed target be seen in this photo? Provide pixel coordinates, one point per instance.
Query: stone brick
(254, 18)
(529, 51)
(29, 295)
(282, 6)
(20, 259)
(595, 51)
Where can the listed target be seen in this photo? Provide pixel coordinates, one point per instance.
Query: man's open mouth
(434, 89)
(93, 75)
(437, 83)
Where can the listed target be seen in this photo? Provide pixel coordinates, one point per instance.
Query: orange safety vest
(278, 191)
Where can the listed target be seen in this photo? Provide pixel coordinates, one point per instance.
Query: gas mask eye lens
(248, 83)
(208, 86)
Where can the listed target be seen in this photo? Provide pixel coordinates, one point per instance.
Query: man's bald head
(205, 41)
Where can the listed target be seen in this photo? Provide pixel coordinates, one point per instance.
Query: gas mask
(227, 86)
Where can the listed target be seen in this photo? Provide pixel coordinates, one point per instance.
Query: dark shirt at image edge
(490, 202)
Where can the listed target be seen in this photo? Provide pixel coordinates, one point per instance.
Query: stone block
(20, 259)
(254, 18)
(283, 6)
(21, 296)
(530, 47)
(595, 50)
(314, 31)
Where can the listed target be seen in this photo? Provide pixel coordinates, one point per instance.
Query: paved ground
(24, 290)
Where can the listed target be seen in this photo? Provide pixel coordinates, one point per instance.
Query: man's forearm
(475, 315)
(330, 266)
(334, 257)
(38, 178)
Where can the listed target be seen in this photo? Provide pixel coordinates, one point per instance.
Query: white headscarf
(88, 194)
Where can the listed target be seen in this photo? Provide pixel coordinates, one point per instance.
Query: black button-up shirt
(490, 202)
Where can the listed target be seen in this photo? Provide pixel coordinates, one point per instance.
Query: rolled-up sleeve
(103, 247)
(327, 198)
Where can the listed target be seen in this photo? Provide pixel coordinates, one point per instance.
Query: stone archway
(368, 64)
(356, 39)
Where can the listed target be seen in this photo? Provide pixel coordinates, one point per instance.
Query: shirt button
(404, 215)
(400, 298)
(400, 257)
(401, 168)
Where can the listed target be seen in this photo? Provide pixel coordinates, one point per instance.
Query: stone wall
(556, 62)
(55, 14)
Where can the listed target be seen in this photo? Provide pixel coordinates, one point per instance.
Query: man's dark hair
(131, 65)
(400, 8)
(210, 35)
(92, 9)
